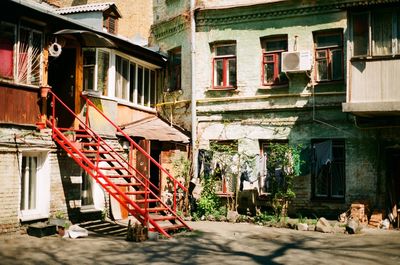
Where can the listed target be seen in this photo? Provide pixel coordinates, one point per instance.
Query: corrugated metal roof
(154, 128)
(84, 8)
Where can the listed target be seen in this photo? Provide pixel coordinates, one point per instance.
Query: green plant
(59, 215)
(209, 202)
(264, 218)
(283, 166)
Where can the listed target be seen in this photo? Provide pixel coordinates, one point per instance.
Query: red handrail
(54, 98)
(88, 102)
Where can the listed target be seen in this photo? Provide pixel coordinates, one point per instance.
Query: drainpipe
(193, 86)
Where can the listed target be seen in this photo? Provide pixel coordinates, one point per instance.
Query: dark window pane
(7, 39)
(275, 45)
(132, 82)
(337, 64)
(175, 70)
(321, 54)
(360, 34)
(153, 88)
(88, 75)
(140, 85)
(125, 69)
(382, 33)
(219, 79)
(322, 68)
(225, 50)
(102, 71)
(232, 72)
(328, 40)
(269, 73)
(146, 86)
(89, 56)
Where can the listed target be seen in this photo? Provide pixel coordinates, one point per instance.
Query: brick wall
(9, 192)
(137, 15)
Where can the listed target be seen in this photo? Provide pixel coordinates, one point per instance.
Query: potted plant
(44, 90)
(58, 219)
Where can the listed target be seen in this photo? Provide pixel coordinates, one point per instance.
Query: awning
(154, 128)
(87, 38)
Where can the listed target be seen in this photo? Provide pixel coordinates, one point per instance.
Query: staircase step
(156, 209)
(83, 136)
(102, 160)
(140, 201)
(173, 227)
(164, 218)
(138, 192)
(119, 176)
(113, 168)
(95, 151)
(128, 184)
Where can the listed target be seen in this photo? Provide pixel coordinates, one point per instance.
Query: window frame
(42, 186)
(34, 62)
(277, 60)
(328, 50)
(395, 31)
(175, 69)
(129, 90)
(225, 66)
(336, 143)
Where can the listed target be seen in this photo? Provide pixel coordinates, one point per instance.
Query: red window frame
(225, 67)
(325, 53)
(276, 61)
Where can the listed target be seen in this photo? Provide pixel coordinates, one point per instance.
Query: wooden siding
(19, 106)
(375, 81)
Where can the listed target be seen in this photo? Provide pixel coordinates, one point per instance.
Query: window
(132, 82)
(376, 33)
(328, 169)
(110, 24)
(35, 186)
(328, 55)
(272, 177)
(7, 40)
(174, 70)
(121, 77)
(20, 54)
(224, 65)
(95, 61)
(89, 64)
(272, 57)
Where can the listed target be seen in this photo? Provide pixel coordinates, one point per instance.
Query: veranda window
(20, 53)
(272, 57)
(376, 33)
(328, 55)
(224, 65)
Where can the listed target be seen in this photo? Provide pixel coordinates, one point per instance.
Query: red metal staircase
(113, 172)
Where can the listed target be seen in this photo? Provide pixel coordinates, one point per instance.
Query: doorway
(62, 80)
(393, 181)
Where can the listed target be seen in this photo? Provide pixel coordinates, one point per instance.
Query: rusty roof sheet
(154, 128)
(84, 8)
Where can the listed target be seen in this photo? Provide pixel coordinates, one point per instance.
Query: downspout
(193, 86)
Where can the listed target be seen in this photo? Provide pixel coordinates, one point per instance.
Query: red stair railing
(176, 183)
(141, 213)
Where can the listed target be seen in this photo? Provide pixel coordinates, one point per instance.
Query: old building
(79, 130)
(136, 16)
(315, 73)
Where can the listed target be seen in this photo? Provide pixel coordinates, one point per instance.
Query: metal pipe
(193, 87)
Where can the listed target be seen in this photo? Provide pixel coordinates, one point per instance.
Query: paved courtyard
(210, 243)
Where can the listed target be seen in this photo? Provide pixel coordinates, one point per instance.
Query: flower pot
(44, 90)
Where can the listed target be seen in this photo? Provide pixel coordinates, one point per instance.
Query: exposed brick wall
(9, 192)
(137, 15)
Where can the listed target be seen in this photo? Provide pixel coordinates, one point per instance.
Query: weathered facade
(245, 97)
(136, 17)
(39, 176)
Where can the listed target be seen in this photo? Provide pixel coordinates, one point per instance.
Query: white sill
(89, 209)
(33, 216)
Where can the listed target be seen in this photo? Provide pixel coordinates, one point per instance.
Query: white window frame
(42, 208)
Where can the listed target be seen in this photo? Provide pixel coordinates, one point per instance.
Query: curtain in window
(323, 161)
(382, 34)
(7, 39)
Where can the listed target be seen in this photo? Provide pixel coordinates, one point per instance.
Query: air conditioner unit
(296, 61)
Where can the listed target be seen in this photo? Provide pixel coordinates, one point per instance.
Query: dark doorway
(62, 81)
(154, 170)
(394, 177)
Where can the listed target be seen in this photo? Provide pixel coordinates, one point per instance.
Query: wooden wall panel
(19, 106)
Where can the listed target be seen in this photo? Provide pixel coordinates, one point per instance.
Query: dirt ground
(209, 243)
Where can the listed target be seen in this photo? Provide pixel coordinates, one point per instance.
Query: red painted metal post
(175, 195)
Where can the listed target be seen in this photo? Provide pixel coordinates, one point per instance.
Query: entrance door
(394, 177)
(62, 81)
